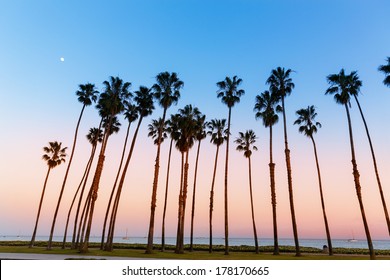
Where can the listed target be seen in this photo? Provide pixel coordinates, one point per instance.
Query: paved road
(27, 256)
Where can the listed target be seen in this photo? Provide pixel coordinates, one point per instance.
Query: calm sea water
(315, 243)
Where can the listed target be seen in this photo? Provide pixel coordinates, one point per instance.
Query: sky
(203, 42)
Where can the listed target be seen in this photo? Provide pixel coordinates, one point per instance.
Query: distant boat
(125, 237)
(353, 238)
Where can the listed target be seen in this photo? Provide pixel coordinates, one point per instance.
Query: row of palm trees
(184, 128)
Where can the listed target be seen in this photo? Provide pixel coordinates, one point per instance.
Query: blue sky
(203, 41)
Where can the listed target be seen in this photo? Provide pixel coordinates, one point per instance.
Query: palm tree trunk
(185, 188)
(83, 220)
(212, 201)
(226, 186)
(120, 187)
(166, 199)
(39, 210)
(180, 208)
(74, 198)
(273, 194)
(193, 200)
(322, 199)
(358, 187)
(252, 208)
(290, 188)
(375, 167)
(114, 188)
(64, 182)
(149, 247)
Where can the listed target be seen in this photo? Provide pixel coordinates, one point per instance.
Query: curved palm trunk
(39, 210)
(149, 247)
(83, 221)
(114, 188)
(119, 191)
(273, 194)
(322, 199)
(252, 208)
(356, 176)
(166, 199)
(212, 201)
(64, 182)
(75, 196)
(193, 200)
(180, 208)
(290, 188)
(226, 186)
(375, 167)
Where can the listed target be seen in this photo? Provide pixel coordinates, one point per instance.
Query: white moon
(62, 59)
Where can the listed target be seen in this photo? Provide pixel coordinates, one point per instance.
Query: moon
(62, 59)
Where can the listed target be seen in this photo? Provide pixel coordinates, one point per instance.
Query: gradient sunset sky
(203, 41)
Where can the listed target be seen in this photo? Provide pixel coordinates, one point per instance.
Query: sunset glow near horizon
(50, 47)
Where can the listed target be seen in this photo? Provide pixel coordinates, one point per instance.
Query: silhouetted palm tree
(54, 156)
(167, 92)
(94, 136)
(386, 70)
(200, 135)
(341, 87)
(144, 100)
(218, 132)
(230, 95)
(245, 143)
(281, 84)
(86, 95)
(131, 114)
(309, 126)
(266, 108)
(110, 105)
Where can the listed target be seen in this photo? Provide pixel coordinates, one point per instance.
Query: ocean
(315, 243)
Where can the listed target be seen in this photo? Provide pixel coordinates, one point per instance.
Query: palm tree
(281, 84)
(86, 95)
(245, 143)
(144, 100)
(187, 130)
(341, 87)
(95, 138)
(200, 135)
(171, 128)
(154, 127)
(131, 114)
(218, 132)
(354, 80)
(308, 126)
(230, 94)
(265, 108)
(54, 156)
(167, 92)
(386, 70)
(110, 104)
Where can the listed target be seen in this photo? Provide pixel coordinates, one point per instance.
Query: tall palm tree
(341, 87)
(229, 92)
(171, 128)
(309, 126)
(87, 94)
(167, 92)
(266, 108)
(110, 105)
(187, 130)
(386, 70)
(282, 85)
(218, 132)
(354, 80)
(95, 138)
(200, 135)
(131, 114)
(245, 143)
(144, 100)
(54, 156)
(154, 128)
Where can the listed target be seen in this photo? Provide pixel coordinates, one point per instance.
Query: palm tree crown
(55, 154)
(155, 127)
(87, 94)
(306, 118)
(265, 107)
(343, 86)
(167, 89)
(217, 131)
(245, 142)
(228, 91)
(94, 136)
(386, 70)
(280, 82)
